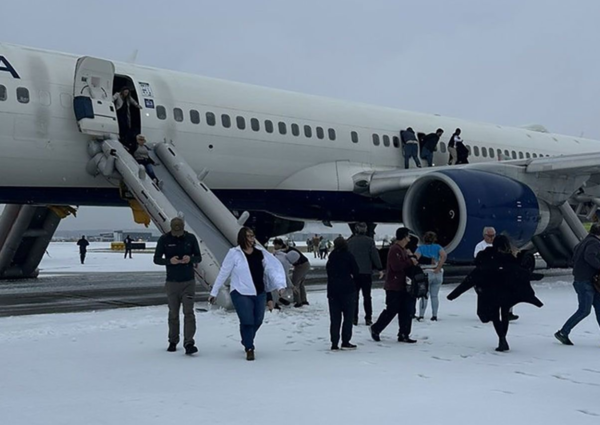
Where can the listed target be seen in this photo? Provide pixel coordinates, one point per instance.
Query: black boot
(502, 345)
(172, 347)
(190, 349)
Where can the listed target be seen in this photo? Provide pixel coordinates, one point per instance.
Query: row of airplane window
(211, 119)
(240, 122)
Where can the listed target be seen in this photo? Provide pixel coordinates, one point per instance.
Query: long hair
(242, 240)
(502, 244)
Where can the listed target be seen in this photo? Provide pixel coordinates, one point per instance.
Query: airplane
(279, 157)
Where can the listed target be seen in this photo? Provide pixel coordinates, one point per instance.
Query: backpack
(419, 282)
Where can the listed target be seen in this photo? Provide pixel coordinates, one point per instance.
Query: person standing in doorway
(83, 244)
(362, 247)
(128, 242)
(254, 272)
(397, 299)
(123, 102)
(411, 147)
(179, 251)
(586, 265)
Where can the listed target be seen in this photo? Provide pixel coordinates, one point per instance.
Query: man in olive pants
(179, 251)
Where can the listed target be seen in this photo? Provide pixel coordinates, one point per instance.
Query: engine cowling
(458, 204)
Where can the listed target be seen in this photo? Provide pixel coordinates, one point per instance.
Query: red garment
(397, 264)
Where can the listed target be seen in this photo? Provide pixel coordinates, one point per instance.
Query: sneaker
(190, 349)
(298, 305)
(512, 317)
(283, 301)
(348, 346)
(172, 348)
(368, 322)
(374, 334)
(406, 339)
(434, 318)
(334, 347)
(563, 338)
(305, 303)
(419, 318)
(250, 355)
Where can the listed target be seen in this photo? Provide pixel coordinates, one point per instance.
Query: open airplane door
(92, 97)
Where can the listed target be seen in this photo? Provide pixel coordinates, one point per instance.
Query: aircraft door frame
(92, 97)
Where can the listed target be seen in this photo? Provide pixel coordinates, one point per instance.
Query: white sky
(510, 63)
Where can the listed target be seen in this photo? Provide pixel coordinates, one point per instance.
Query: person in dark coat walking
(342, 272)
(586, 264)
(500, 282)
(128, 242)
(179, 251)
(410, 147)
(397, 299)
(362, 247)
(462, 153)
(83, 244)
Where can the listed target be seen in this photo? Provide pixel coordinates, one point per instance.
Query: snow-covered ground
(64, 257)
(111, 367)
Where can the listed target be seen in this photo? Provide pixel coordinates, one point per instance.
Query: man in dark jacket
(429, 146)
(342, 271)
(362, 247)
(179, 251)
(586, 264)
(128, 242)
(397, 299)
(83, 244)
(410, 147)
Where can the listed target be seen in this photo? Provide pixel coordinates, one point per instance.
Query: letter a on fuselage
(7, 67)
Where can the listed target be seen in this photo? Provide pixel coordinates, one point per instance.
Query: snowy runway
(111, 367)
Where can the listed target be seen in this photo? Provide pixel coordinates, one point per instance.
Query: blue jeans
(587, 297)
(435, 283)
(251, 311)
(427, 155)
(411, 150)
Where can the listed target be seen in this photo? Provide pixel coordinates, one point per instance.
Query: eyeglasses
(490, 236)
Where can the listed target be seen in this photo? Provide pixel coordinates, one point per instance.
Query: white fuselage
(43, 148)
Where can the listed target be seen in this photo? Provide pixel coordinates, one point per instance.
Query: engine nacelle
(458, 204)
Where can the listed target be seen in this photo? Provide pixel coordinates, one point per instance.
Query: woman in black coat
(500, 282)
(342, 270)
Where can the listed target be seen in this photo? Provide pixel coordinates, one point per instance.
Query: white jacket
(236, 266)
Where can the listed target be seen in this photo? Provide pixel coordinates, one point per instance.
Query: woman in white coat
(253, 272)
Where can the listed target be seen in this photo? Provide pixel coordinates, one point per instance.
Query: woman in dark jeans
(254, 272)
(342, 270)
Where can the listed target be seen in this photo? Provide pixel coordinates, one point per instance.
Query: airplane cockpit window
(161, 112)
(534, 155)
(211, 119)
(282, 127)
(521, 155)
(331, 133)
(295, 129)
(2, 92)
(476, 150)
(386, 140)
(241, 122)
(376, 139)
(491, 152)
(308, 131)
(354, 137)
(514, 155)
(396, 142)
(320, 133)
(527, 155)
(178, 114)
(506, 154)
(225, 120)
(255, 124)
(268, 126)
(195, 116)
(22, 95)
(484, 151)
(443, 147)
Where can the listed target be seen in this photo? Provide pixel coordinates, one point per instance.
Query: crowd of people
(426, 144)
(260, 280)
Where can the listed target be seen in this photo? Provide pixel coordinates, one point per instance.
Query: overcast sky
(507, 62)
